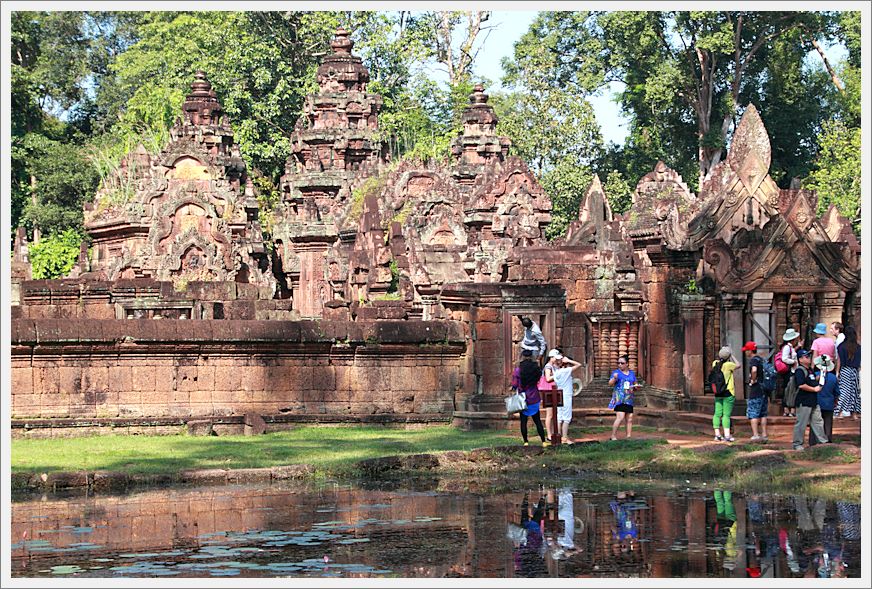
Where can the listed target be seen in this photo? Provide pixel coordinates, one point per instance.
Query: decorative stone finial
(201, 106)
(478, 96)
(341, 43)
(201, 85)
(341, 71)
(750, 152)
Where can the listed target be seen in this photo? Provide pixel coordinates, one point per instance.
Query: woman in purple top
(524, 379)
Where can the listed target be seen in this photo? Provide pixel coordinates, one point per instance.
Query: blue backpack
(767, 378)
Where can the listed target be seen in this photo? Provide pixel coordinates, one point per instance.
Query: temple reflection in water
(350, 532)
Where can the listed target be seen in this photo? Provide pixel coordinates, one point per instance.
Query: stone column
(761, 329)
(809, 312)
(428, 303)
(733, 332)
(692, 310)
(831, 307)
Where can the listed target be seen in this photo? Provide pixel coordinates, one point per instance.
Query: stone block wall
(89, 299)
(142, 369)
(590, 277)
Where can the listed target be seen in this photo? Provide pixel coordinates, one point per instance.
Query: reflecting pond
(349, 531)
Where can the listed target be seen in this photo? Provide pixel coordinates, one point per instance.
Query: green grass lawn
(326, 448)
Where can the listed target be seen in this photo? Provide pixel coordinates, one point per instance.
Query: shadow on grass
(325, 447)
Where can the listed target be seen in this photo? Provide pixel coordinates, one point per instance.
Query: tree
(261, 64)
(50, 55)
(55, 256)
(63, 181)
(394, 47)
(618, 192)
(447, 41)
(787, 83)
(546, 115)
(547, 127)
(565, 184)
(835, 177)
(686, 77)
(698, 62)
(835, 174)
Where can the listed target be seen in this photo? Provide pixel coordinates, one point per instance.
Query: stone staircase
(595, 394)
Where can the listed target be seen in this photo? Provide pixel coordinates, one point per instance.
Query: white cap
(555, 353)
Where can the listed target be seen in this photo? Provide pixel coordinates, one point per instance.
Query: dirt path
(780, 440)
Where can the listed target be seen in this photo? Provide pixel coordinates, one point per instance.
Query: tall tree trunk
(836, 81)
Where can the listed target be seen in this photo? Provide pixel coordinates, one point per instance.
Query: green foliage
(559, 51)
(548, 127)
(372, 186)
(547, 115)
(268, 197)
(63, 182)
(836, 177)
(618, 191)
(395, 278)
(791, 117)
(51, 52)
(566, 184)
(54, 256)
(261, 65)
(683, 85)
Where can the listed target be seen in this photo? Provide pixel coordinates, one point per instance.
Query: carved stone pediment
(662, 205)
(511, 203)
(739, 193)
(594, 214)
(784, 254)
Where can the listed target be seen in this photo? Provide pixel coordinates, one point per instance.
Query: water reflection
(250, 531)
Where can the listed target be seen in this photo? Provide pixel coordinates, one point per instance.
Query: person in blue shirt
(625, 530)
(826, 398)
(623, 395)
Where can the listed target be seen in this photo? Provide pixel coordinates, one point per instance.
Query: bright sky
(511, 26)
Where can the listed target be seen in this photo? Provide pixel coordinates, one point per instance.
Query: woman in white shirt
(562, 377)
(788, 356)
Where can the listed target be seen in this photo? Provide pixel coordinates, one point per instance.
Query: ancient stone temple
(185, 214)
(356, 234)
(391, 291)
(334, 149)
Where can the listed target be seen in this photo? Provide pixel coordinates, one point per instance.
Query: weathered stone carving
(755, 235)
(414, 228)
(661, 204)
(188, 213)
